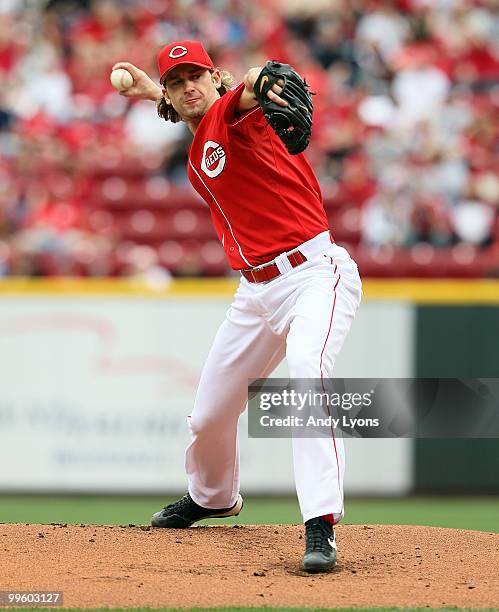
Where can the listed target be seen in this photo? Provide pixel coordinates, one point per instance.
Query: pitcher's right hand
(143, 86)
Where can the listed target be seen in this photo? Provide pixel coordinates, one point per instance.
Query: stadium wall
(462, 342)
(98, 377)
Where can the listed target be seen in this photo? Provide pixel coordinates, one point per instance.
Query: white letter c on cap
(177, 52)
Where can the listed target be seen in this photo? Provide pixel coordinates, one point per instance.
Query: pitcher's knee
(202, 423)
(304, 364)
(211, 422)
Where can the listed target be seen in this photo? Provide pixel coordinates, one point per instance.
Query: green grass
(480, 513)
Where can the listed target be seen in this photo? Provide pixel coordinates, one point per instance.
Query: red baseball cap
(182, 52)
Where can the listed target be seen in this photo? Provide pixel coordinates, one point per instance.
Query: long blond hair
(168, 113)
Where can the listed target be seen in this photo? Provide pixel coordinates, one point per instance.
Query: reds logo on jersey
(213, 160)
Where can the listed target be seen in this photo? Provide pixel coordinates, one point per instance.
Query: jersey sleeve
(233, 98)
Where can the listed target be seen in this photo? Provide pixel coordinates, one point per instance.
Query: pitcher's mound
(251, 565)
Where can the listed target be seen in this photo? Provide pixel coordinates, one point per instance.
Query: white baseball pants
(303, 315)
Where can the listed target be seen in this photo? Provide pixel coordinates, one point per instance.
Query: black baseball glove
(292, 123)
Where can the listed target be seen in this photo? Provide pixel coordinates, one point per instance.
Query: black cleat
(185, 512)
(320, 550)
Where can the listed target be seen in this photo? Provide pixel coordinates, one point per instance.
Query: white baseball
(121, 79)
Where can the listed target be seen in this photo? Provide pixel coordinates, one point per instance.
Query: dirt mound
(253, 565)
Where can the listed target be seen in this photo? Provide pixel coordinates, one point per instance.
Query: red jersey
(263, 201)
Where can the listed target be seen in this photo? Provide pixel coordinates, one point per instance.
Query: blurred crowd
(404, 141)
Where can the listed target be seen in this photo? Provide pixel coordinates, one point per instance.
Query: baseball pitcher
(298, 291)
